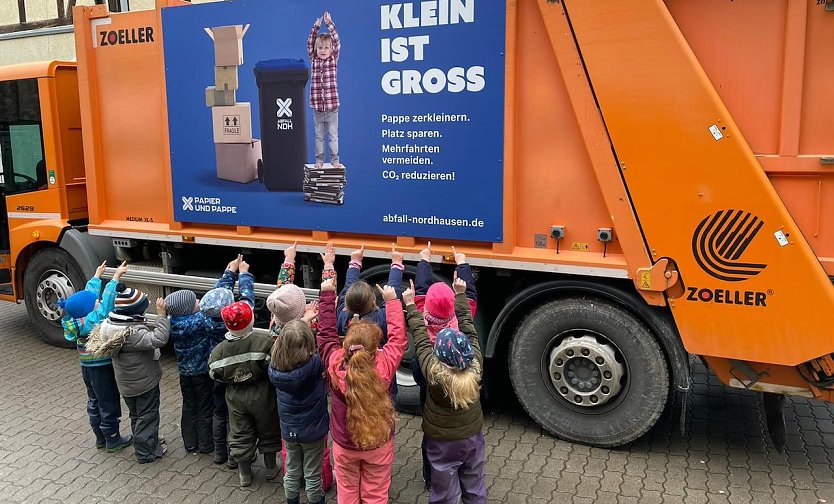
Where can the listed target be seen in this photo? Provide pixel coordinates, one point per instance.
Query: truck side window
(22, 166)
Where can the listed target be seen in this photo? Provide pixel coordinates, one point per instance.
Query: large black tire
(52, 273)
(408, 393)
(615, 421)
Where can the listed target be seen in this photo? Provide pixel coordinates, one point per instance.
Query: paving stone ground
(47, 451)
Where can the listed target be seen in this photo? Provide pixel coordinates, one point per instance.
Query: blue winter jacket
(192, 343)
(377, 315)
(302, 401)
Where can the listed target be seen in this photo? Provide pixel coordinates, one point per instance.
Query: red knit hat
(440, 302)
(239, 318)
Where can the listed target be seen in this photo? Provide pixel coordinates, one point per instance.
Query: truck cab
(42, 183)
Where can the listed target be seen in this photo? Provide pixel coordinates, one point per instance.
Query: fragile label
(231, 125)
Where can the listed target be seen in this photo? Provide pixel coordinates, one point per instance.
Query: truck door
(22, 167)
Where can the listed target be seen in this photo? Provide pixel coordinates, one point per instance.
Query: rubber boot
(245, 472)
(101, 441)
(231, 463)
(294, 500)
(270, 461)
(117, 442)
(319, 502)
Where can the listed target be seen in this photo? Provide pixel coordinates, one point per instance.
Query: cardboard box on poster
(232, 124)
(228, 44)
(238, 162)
(226, 77)
(219, 98)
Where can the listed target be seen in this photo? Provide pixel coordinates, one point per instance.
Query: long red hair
(370, 412)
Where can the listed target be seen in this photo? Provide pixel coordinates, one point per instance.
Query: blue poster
(352, 116)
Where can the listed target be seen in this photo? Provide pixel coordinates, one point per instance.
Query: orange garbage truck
(634, 183)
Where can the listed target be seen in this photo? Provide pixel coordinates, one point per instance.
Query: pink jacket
(330, 349)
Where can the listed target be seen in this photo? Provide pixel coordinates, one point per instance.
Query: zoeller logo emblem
(188, 203)
(720, 240)
(284, 107)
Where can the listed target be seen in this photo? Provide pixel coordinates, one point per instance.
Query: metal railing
(195, 283)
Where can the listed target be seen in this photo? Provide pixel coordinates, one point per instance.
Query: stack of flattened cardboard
(325, 184)
(237, 153)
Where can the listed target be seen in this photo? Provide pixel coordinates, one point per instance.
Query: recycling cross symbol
(284, 107)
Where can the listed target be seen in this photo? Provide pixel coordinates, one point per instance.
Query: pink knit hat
(439, 309)
(286, 304)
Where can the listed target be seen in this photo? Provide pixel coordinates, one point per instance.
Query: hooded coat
(302, 401)
(134, 348)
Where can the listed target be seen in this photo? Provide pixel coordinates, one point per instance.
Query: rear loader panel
(754, 288)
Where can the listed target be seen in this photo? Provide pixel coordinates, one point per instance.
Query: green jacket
(241, 362)
(440, 420)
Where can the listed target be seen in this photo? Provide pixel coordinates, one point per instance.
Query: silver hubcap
(585, 372)
(53, 285)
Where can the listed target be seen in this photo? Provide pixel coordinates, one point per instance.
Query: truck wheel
(408, 393)
(50, 275)
(589, 372)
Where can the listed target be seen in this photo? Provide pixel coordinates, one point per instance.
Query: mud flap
(775, 419)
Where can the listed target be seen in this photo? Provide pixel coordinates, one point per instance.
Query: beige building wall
(24, 47)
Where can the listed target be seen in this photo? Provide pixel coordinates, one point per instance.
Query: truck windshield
(22, 167)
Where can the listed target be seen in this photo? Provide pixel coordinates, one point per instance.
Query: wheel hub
(53, 285)
(585, 371)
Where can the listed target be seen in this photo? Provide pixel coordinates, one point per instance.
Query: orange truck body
(700, 132)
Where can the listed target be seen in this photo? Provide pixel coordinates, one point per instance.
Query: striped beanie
(180, 303)
(130, 301)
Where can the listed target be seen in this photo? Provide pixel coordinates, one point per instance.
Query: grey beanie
(180, 303)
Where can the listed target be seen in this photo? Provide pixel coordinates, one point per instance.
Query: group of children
(245, 392)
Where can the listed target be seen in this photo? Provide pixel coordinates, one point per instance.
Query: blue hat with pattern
(452, 348)
(215, 300)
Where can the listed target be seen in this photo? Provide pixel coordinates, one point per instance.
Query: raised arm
(422, 344)
(392, 352)
(229, 277)
(395, 275)
(354, 268)
(331, 27)
(311, 39)
(327, 338)
(424, 277)
(143, 338)
(464, 315)
(464, 271)
(329, 258)
(246, 285)
(105, 306)
(286, 275)
(108, 299)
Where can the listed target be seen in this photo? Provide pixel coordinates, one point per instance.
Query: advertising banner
(353, 116)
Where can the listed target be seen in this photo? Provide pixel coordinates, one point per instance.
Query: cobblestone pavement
(47, 451)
